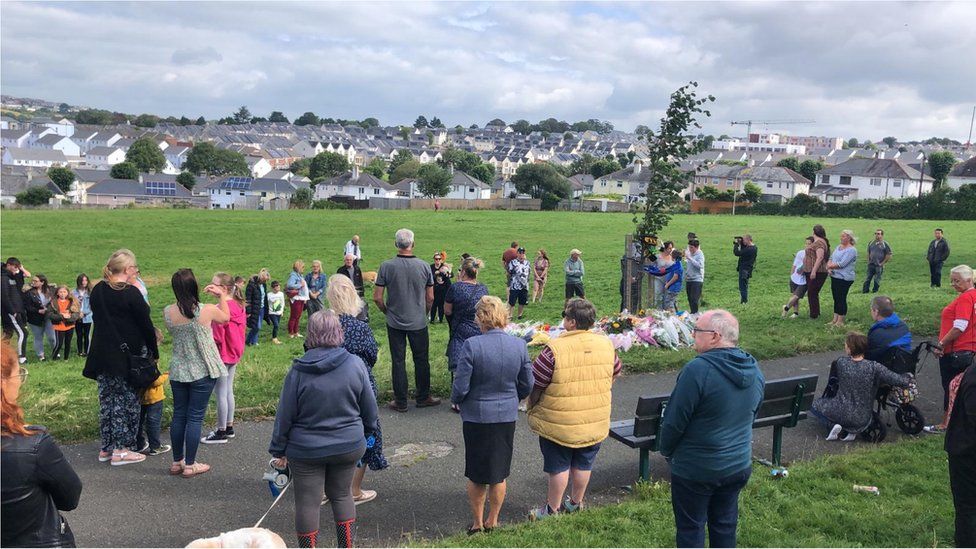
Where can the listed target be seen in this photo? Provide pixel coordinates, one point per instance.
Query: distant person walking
(442, 282)
(798, 282)
(352, 247)
(815, 268)
(13, 305)
(297, 291)
(82, 293)
(694, 273)
(746, 251)
(706, 434)
(842, 276)
(256, 299)
(879, 254)
(936, 256)
(409, 287)
(574, 271)
(541, 268)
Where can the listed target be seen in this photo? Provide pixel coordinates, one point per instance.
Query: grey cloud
(196, 56)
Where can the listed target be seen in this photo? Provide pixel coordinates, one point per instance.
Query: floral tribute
(654, 328)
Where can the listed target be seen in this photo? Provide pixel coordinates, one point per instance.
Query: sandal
(127, 457)
(198, 468)
(364, 496)
(176, 468)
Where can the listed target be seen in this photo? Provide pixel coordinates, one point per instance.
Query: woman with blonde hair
(63, 312)
(493, 374)
(541, 268)
(37, 303)
(841, 269)
(297, 291)
(358, 339)
(125, 329)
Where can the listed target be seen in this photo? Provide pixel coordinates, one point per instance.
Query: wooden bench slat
(780, 388)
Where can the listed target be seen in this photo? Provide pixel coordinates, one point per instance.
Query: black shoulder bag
(142, 371)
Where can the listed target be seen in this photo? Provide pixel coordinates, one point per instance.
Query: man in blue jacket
(706, 433)
(887, 331)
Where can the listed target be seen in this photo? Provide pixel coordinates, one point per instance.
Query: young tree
(542, 181)
(145, 121)
(890, 141)
(407, 170)
(666, 149)
(790, 162)
(187, 179)
(809, 169)
(124, 170)
(752, 192)
(436, 123)
(277, 116)
(376, 168)
(307, 119)
(583, 164)
(301, 166)
(852, 143)
(401, 156)
(327, 164)
(34, 196)
(483, 172)
(603, 167)
(302, 199)
(421, 122)
(941, 164)
(434, 181)
(62, 177)
(146, 155)
(242, 116)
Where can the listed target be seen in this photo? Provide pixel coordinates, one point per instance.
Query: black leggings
(331, 475)
(839, 289)
(62, 341)
(84, 330)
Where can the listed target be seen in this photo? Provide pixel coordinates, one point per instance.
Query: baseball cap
(520, 250)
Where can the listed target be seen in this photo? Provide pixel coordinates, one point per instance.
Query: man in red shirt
(957, 329)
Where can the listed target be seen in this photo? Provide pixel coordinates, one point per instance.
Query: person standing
(957, 329)
(229, 337)
(493, 375)
(442, 282)
(38, 301)
(276, 307)
(13, 305)
(960, 446)
(125, 327)
(706, 434)
(325, 415)
(518, 282)
(460, 303)
(352, 271)
(63, 312)
(194, 367)
(694, 273)
(256, 301)
(37, 481)
(798, 282)
(409, 287)
(82, 293)
(315, 280)
(746, 251)
(574, 270)
(815, 268)
(936, 256)
(569, 407)
(352, 247)
(541, 266)
(662, 262)
(297, 291)
(879, 253)
(842, 276)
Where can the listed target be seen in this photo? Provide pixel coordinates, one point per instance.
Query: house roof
(365, 180)
(102, 151)
(132, 187)
(833, 191)
(87, 175)
(16, 135)
(20, 153)
(83, 135)
(874, 167)
(16, 184)
(966, 169)
(51, 139)
(462, 179)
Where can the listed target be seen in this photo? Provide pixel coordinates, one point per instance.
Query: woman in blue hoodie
(326, 412)
(672, 275)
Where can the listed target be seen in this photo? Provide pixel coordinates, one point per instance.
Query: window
(825, 180)
(897, 183)
(242, 193)
(470, 189)
(769, 185)
(228, 193)
(875, 181)
(376, 191)
(620, 185)
(845, 180)
(264, 194)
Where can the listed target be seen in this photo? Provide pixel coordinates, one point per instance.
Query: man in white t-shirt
(352, 248)
(798, 283)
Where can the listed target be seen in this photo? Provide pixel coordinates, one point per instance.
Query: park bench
(785, 402)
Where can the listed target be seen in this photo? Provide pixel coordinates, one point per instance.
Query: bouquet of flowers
(619, 324)
(524, 330)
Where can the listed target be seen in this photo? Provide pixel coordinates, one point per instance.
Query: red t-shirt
(962, 308)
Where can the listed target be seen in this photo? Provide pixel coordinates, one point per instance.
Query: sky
(866, 69)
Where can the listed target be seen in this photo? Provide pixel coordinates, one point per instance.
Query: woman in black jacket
(122, 328)
(256, 297)
(37, 300)
(37, 482)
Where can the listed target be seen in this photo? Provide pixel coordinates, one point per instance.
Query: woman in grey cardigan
(841, 269)
(848, 410)
(493, 375)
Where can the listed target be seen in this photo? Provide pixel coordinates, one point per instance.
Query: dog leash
(275, 502)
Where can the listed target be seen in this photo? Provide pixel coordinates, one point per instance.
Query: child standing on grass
(276, 307)
(151, 418)
(672, 274)
(63, 312)
(82, 293)
(229, 337)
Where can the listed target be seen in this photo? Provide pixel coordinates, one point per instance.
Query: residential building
(630, 183)
(57, 142)
(259, 166)
(14, 184)
(63, 126)
(249, 193)
(356, 184)
(778, 184)
(39, 158)
(83, 138)
(145, 190)
(104, 157)
(20, 139)
(873, 178)
(963, 174)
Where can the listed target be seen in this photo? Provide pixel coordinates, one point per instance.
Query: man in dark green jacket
(706, 434)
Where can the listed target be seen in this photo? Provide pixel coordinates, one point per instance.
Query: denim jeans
(935, 273)
(189, 406)
(150, 422)
(255, 332)
(743, 288)
(874, 273)
(716, 503)
(694, 290)
(420, 349)
(275, 321)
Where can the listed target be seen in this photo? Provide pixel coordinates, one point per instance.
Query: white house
(465, 187)
(308, 149)
(16, 138)
(14, 184)
(356, 184)
(39, 158)
(963, 174)
(57, 142)
(874, 178)
(105, 138)
(259, 166)
(176, 155)
(630, 182)
(84, 138)
(104, 157)
(62, 127)
(248, 193)
(778, 184)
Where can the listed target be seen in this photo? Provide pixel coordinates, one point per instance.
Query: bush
(326, 204)
(34, 196)
(942, 203)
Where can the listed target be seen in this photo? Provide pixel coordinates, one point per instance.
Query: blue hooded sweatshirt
(706, 433)
(327, 406)
(887, 333)
(673, 269)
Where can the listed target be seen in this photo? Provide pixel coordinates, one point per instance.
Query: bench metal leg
(777, 444)
(645, 464)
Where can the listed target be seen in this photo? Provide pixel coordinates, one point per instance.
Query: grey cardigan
(492, 376)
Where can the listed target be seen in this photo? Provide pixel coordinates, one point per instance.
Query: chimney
(355, 172)
(637, 167)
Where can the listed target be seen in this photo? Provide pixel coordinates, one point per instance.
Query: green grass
(814, 507)
(62, 244)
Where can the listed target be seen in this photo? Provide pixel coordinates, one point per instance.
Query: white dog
(245, 537)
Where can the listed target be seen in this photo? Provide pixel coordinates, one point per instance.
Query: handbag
(142, 371)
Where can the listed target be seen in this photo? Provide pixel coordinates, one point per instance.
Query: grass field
(814, 507)
(63, 244)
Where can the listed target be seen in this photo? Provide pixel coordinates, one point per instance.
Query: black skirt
(488, 451)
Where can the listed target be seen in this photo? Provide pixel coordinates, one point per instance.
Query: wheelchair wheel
(876, 431)
(909, 419)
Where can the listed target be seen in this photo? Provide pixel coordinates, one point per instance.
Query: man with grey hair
(351, 270)
(352, 247)
(706, 433)
(409, 287)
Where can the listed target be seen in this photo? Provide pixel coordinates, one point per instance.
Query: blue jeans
(716, 503)
(255, 332)
(189, 406)
(150, 422)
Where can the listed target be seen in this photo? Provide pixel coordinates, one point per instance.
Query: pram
(908, 417)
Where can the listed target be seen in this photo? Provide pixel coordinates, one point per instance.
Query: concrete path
(420, 496)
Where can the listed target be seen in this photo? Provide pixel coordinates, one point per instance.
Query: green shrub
(326, 204)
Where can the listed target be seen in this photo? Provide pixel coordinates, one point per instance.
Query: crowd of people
(327, 430)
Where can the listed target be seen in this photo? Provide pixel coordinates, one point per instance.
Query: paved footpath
(420, 496)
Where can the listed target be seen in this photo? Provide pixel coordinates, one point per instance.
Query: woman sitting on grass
(851, 390)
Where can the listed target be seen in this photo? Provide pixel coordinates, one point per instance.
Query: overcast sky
(866, 69)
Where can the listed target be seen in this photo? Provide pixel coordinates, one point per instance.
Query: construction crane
(748, 123)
